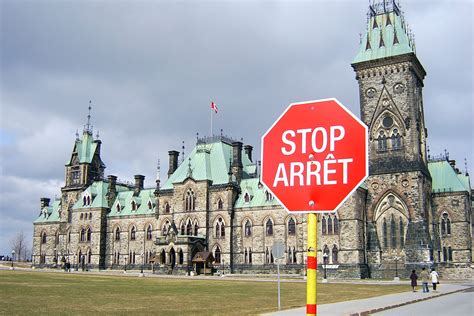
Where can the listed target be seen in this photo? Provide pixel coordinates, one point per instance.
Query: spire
(88, 127)
(158, 169)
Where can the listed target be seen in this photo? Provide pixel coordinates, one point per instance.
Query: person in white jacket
(434, 278)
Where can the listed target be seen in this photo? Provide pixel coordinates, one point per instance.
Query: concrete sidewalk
(376, 304)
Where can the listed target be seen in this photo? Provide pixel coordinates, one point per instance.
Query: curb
(381, 309)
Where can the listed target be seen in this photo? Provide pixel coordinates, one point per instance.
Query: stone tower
(390, 80)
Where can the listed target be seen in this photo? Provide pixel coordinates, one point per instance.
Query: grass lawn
(23, 292)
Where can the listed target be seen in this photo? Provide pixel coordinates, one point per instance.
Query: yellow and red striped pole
(311, 266)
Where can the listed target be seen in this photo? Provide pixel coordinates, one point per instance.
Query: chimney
(248, 151)
(173, 162)
(237, 160)
(112, 190)
(44, 202)
(139, 179)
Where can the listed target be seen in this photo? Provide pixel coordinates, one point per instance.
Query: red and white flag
(214, 106)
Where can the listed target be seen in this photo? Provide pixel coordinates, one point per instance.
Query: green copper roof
(257, 195)
(49, 214)
(445, 178)
(85, 148)
(125, 198)
(386, 34)
(209, 160)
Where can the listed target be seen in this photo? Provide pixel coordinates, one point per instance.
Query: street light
(396, 268)
(325, 260)
(13, 256)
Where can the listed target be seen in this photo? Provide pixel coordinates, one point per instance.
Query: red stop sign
(314, 156)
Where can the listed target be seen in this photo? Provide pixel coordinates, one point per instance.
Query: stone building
(413, 210)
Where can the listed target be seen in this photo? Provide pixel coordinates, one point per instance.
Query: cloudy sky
(151, 69)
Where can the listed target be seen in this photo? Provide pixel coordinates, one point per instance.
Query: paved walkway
(376, 304)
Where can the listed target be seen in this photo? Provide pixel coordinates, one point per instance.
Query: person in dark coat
(413, 278)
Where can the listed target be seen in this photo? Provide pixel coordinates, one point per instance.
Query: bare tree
(19, 244)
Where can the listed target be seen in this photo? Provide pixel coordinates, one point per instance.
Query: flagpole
(211, 121)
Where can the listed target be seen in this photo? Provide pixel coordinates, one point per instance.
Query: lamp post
(325, 260)
(13, 256)
(125, 265)
(396, 278)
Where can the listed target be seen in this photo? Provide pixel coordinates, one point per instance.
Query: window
(393, 231)
(445, 254)
(76, 175)
(89, 256)
(220, 228)
(248, 228)
(150, 206)
(88, 234)
(43, 238)
(250, 255)
(90, 215)
(245, 256)
(167, 208)
(269, 227)
(117, 207)
(335, 253)
(148, 232)
(402, 233)
(396, 140)
(450, 254)
(247, 198)
(134, 206)
(189, 228)
(132, 233)
(165, 228)
(269, 256)
(82, 216)
(382, 142)
(291, 227)
(336, 225)
(220, 204)
(384, 233)
(196, 228)
(189, 201)
(445, 224)
(69, 237)
(330, 231)
(217, 255)
(323, 226)
(180, 257)
(88, 200)
(84, 201)
(163, 257)
(83, 235)
(56, 238)
(117, 233)
(268, 196)
(182, 228)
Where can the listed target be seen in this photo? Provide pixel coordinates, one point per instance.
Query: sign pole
(311, 266)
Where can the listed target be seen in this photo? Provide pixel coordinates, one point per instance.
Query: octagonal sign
(314, 156)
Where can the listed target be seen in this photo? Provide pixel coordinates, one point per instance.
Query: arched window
(393, 231)
(248, 228)
(382, 142)
(445, 254)
(323, 225)
(189, 228)
(336, 225)
(150, 206)
(335, 253)
(217, 255)
(82, 235)
(148, 232)
(134, 205)
(165, 228)
(43, 238)
(402, 233)
(90, 215)
(330, 231)
(163, 256)
(289, 256)
(220, 204)
(384, 233)
(84, 201)
(196, 228)
(269, 227)
(88, 236)
(325, 254)
(396, 140)
(220, 228)
(117, 207)
(180, 256)
(167, 208)
(450, 254)
(117, 233)
(182, 228)
(291, 226)
(250, 255)
(189, 200)
(247, 197)
(89, 256)
(88, 200)
(294, 255)
(133, 233)
(443, 226)
(81, 216)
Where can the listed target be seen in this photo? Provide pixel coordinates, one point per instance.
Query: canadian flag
(214, 106)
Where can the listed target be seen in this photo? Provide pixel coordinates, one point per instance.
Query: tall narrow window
(220, 204)
(323, 225)
(88, 237)
(88, 200)
(396, 140)
(384, 233)
(443, 227)
(248, 228)
(83, 235)
(393, 231)
(132, 233)
(196, 228)
(245, 256)
(336, 225)
(330, 231)
(269, 228)
(182, 228)
(117, 233)
(189, 203)
(445, 254)
(43, 238)
(250, 255)
(247, 198)
(402, 233)
(189, 228)
(291, 226)
(134, 205)
(220, 228)
(448, 226)
(150, 206)
(217, 255)
(450, 254)
(148, 232)
(167, 208)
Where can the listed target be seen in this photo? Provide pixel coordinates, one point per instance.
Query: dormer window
(134, 206)
(84, 201)
(268, 196)
(247, 197)
(117, 207)
(150, 206)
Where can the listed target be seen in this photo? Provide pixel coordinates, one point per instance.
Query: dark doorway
(172, 258)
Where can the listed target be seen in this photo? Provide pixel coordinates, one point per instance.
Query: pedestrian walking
(413, 278)
(434, 278)
(424, 279)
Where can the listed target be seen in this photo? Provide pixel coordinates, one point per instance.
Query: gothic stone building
(412, 211)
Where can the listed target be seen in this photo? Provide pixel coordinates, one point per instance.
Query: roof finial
(197, 137)
(88, 127)
(77, 134)
(222, 132)
(97, 135)
(465, 167)
(428, 149)
(182, 157)
(158, 169)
